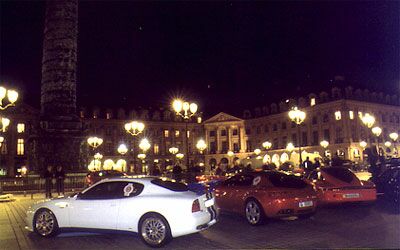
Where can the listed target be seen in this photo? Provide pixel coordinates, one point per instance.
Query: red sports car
(339, 185)
(259, 195)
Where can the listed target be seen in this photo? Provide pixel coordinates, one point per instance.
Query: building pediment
(223, 117)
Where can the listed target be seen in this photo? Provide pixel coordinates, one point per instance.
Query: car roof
(144, 179)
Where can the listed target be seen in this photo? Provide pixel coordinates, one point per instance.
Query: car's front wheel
(254, 213)
(45, 223)
(154, 230)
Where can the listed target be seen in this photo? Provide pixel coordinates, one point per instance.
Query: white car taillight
(196, 206)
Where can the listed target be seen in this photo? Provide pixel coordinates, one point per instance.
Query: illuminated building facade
(334, 117)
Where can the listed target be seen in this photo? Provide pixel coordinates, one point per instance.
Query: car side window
(245, 180)
(112, 190)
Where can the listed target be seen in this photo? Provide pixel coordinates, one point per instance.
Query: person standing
(60, 176)
(48, 176)
(307, 165)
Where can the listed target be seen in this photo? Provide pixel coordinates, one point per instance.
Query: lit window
(82, 114)
(20, 127)
(351, 115)
(199, 119)
(360, 114)
(108, 115)
(312, 102)
(20, 147)
(166, 133)
(156, 149)
(188, 134)
(338, 115)
(177, 133)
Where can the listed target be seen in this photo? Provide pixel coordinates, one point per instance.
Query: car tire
(254, 212)
(154, 230)
(45, 223)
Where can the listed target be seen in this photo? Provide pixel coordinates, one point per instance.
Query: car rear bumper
(290, 207)
(346, 195)
(194, 223)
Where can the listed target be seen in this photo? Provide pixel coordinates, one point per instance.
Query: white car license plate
(305, 204)
(209, 203)
(354, 195)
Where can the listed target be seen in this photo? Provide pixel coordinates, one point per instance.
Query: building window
(177, 132)
(275, 127)
(360, 114)
(212, 133)
(248, 131)
(315, 139)
(224, 147)
(108, 116)
(314, 120)
(338, 115)
(339, 135)
(156, 149)
(294, 139)
(325, 118)
(283, 125)
(21, 127)
(20, 147)
(166, 133)
(82, 114)
(275, 144)
(383, 118)
(236, 147)
(248, 146)
(199, 119)
(4, 147)
(213, 148)
(327, 135)
(223, 132)
(266, 128)
(304, 139)
(312, 102)
(235, 131)
(284, 140)
(351, 115)
(258, 130)
(188, 134)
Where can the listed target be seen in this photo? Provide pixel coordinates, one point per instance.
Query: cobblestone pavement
(346, 226)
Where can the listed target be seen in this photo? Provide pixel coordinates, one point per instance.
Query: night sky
(225, 55)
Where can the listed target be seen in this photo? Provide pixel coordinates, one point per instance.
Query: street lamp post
(394, 137)
(201, 146)
(324, 144)
(297, 116)
(97, 157)
(134, 128)
(186, 110)
(122, 149)
(144, 145)
(377, 132)
(94, 142)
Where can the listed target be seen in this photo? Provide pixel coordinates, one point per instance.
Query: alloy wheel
(153, 230)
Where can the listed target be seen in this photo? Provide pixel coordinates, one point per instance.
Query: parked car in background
(341, 185)
(95, 176)
(266, 194)
(158, 209)
(388, 183)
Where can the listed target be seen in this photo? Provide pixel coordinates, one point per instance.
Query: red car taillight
(196, 206)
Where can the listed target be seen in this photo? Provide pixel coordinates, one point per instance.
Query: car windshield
(342, 174)
(170, 185)
(286, 181)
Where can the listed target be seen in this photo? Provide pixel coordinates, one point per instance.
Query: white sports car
(158, 209)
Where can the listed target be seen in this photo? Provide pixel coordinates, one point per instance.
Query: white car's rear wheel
(45, 223)
(154, 230)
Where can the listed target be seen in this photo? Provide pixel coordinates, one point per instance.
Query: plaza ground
(345, 226)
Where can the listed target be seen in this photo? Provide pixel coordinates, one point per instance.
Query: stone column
(59, 62)
(242, 140)
(218, 138)
(230, 140)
